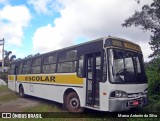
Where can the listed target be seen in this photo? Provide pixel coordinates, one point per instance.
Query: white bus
(106, 74)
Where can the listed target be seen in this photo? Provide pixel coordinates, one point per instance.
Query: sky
(39, 26)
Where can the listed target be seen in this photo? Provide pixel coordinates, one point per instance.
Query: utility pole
(2, 53)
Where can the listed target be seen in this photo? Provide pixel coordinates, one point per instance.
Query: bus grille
(135, 95)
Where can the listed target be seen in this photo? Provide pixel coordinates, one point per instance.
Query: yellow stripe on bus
(56, 79)
(11, 78)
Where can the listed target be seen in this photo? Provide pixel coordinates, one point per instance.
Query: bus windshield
(126, 67)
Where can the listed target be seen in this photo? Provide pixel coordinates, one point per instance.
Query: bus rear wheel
(72, 102)
(21, 91)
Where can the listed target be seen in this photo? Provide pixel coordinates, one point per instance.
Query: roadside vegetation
(153, 75)
(8, 97)
(46, 106)
(148, 19)
(3, 89)
(6, 94)
(4, 76)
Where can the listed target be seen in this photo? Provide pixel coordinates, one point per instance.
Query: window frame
(52, 63)
(59, 61)
(12, 69)
(26, 67)
(49, 66)
(20, 67)
(140, 57)
(66, 62)
(67, 54)
(34, 66)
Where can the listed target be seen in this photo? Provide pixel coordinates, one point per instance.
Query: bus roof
(99, 41)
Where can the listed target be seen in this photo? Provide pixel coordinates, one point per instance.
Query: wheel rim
(74, 103)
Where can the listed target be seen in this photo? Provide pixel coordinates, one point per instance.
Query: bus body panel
(50, 91)
(104, 95)
(135, 92)
(131, 88)
(12, 82)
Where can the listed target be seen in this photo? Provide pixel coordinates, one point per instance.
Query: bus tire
(21, 91)
(72, 103)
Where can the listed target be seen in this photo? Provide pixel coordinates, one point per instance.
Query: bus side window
(20, 68)
(26, 67)
(49, 63)
(80, 71)
(11, 70)
(67, 62)
(36, 66)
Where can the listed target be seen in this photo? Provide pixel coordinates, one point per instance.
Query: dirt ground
(18, 104)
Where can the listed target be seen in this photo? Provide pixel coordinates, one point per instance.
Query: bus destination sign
(122, 44)
(132, 46)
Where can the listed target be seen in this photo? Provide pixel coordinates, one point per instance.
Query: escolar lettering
(40, 78)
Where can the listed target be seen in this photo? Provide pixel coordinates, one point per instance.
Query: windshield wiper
(121, 72)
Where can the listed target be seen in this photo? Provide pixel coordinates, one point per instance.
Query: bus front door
(93, 62)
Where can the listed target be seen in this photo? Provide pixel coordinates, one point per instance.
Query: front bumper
(117, 104)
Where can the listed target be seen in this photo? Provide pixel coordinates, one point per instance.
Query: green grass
(57, 111)
(50, 119)
(8, 97)
(43, 119)
(65, 119)
(44, 107)
(4, 88)
(143, 119)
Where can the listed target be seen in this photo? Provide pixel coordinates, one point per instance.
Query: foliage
(8, 57)
(6, 94)
(8, 97)
(153, 74)
(58, 119)
(143, 119)
(4, 76)
(149, 19)
(3, 88)
(44, 107)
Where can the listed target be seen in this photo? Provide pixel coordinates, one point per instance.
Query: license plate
(135, 103)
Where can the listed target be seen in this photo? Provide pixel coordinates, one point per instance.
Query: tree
(8, 57)
(149, 19)
(153, 75)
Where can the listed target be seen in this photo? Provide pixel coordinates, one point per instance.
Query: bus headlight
(119, 94)
(146, 91)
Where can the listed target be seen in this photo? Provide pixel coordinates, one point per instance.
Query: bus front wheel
(72, 102)
(21, 91)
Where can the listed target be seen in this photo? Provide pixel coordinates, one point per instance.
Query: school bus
(106, 74)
